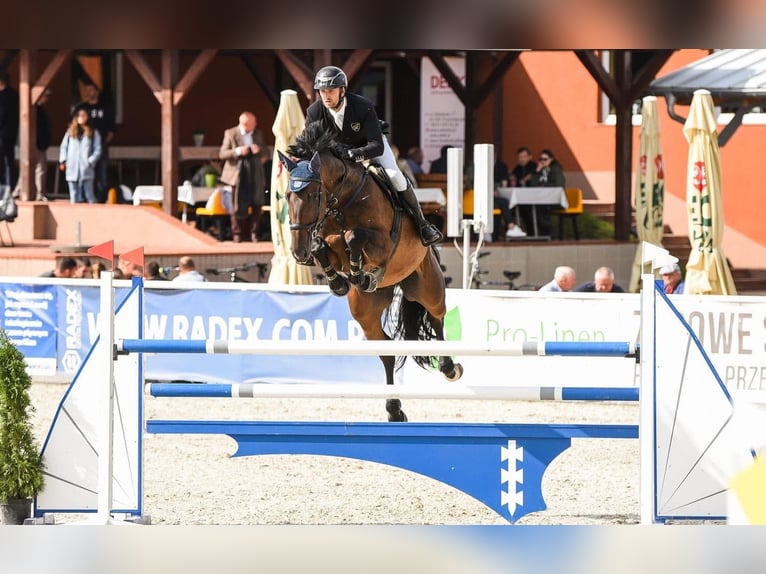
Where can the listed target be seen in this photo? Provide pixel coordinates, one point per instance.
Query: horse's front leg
(356, 240)
(321, 252)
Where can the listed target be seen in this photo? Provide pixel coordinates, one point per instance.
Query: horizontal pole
(369, 391)
(381, 348)
(317, 432)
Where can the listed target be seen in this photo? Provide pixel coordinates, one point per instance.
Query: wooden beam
(602, 77)
(190, 77)
(7, 59)
(623, 146)
(299, 71)
(265, 86)
(27, 121)
(145, 71)
(49, 73)
(356, 62)
(497, 73)
(648, 73)
(169, 149)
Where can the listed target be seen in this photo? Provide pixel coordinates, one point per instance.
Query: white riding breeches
(388, 162)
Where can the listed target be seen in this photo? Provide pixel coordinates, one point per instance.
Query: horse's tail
(413, 323)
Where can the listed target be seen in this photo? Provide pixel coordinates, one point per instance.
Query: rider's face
(331, 97)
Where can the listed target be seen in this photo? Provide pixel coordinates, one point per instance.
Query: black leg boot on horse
(429, 234)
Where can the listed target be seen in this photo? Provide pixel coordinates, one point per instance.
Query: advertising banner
(55, 326)
(442, 116)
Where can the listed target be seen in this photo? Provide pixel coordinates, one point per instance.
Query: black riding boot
(429, 234)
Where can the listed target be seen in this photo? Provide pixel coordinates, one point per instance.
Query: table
(430, 195)
(534, 196)
(187, 195)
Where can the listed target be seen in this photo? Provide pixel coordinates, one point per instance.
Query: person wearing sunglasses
(549, 174)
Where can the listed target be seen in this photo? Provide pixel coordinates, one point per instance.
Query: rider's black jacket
(361, 127)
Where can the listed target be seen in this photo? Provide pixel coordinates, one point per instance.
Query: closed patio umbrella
(649, 191)
(707, 271)
(288, 124)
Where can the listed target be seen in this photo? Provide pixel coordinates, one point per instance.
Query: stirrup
(429, 234)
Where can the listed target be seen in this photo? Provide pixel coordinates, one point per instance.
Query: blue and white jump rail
(688, 444)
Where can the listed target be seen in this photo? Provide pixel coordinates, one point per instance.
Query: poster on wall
(442, 116)
(30, 319)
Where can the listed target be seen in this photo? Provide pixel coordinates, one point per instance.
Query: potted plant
(21, 464)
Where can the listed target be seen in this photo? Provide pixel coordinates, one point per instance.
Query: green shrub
(589, 226)
(21, 465)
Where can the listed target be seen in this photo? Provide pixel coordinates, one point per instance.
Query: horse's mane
(315, 138)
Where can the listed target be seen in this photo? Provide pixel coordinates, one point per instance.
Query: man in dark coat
(241, 152)
(354, 118)
(9, 131)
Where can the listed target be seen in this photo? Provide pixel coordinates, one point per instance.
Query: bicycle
(234, 272)
(510, 277)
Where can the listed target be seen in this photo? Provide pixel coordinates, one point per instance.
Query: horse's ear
(286, 161)
(315, 163)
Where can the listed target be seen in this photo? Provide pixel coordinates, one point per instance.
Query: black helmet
(330, 77)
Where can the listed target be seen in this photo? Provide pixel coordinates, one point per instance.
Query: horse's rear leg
(393, 406)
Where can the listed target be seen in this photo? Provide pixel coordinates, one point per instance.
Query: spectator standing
(415, 160)
(564, 279)
(96, 269)
(671, 278)
(187, 271)
(439, 165)
(130, 269)
(102, 119)
(603, 282)
(80, 150)
(241, 152)
(403, 164)
(525, 168)
(66, 267)
(9, 131)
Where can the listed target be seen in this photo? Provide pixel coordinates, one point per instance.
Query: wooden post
(169, 114)
(27, 124)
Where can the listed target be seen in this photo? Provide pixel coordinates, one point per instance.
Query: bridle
(333, 208)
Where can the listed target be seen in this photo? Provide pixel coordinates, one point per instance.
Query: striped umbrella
(707, 271)
(288, 124)
(649, 193)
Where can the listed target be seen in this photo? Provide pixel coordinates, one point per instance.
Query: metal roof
(729, 75)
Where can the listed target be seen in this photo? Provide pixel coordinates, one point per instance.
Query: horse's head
(304, 204)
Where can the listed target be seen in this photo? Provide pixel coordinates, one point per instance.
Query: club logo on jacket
(356, 126)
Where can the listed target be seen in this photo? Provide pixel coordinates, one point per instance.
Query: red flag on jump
(104, 251)
(136, 257)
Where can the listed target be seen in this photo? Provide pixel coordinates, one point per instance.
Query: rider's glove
(355, 155)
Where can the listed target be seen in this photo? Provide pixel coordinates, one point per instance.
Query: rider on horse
(353, 117)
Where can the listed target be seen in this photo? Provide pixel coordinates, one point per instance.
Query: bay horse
(344, 219)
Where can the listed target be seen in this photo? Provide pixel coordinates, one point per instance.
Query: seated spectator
(525, 168)
(96, 269)
(66, 267)
(563, 280)
(130, 269)
(211, 167)
(415, 160)
(439, 165)
(603, 282)
(187, 271)
(671, 278)
(501, 174)
(83, 268)
(153, 272)
(549, 174)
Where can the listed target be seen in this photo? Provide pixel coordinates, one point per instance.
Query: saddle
(379, 174)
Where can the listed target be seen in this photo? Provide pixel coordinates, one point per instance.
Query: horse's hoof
(369, 284)
(339, 288)
(455, 374)
(399, 417)
(395, 412)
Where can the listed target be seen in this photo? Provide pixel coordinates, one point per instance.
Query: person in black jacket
(354, 118)
(9, 131)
